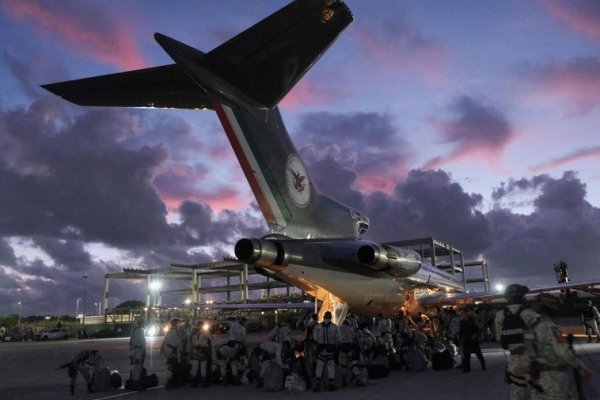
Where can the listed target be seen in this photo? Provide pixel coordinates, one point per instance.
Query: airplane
(315, 242)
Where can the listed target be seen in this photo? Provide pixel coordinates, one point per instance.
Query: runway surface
(29, 371)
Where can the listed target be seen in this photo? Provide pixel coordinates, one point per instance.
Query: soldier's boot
(317, 385)
(72, 387)
(90, 388)
(205, 382)
(332, 386)
(259, 383)
(236, 380)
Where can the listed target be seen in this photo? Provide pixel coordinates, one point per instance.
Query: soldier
(86, 362)
(551, 358)
(172, 348)
(237, 340)
(402, 332)
(470, 334)
(348, 341)
(278, 336)
(137, 354)
(327, 335)
(590, 318)
(383, 327)
(200, 345)
(518, 362)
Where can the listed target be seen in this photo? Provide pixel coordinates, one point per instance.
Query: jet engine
(395, 261)
(275, 254)
(263, 253)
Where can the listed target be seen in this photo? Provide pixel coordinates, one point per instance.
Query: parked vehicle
(54, 334)
(19, 334)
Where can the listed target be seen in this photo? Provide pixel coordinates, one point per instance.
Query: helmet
(515, 293)
(327, 315)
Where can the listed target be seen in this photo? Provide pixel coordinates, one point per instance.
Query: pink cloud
(85, 29)
(577, 81)
(369, 183)
(591, 152)
(305, 93)
(580, 16)
(398, 47)
(226, 198)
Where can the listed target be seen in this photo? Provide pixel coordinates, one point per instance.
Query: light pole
(77, 308)
(19, 320)
(84, 290)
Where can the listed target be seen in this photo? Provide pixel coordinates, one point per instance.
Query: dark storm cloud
(66, 253)
(57, 175)
(7, 255)
(366, 143)
(429, 203)
(201, 224)
(563, 225)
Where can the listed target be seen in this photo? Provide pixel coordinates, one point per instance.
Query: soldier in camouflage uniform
(518, 361)
(551, 357)
(137, 354)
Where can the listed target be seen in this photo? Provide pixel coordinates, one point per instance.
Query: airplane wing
(469, 297)
(161, 87)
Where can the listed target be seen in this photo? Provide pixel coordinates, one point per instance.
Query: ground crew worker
(518, 362)
(327, 335)
(200, 345)
(172, 348)
(137, 354)
(551, 358)
(86, 362)
(590, 317)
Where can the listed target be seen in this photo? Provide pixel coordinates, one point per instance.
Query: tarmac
(29, 371)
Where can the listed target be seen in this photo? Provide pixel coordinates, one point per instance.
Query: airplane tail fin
(259, 66)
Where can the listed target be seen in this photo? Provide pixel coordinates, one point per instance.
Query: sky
(475, 122)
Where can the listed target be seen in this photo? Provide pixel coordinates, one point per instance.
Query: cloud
(563, 225)
(576, 81)
(368, 144)
(588, 152)
(397, 45)
(477, 130)
(86, 29)
(580, 16)
(429, 203)
(308, 94)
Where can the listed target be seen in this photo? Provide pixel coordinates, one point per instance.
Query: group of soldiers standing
(540, 363)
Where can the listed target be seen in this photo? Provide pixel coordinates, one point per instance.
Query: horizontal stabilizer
(162, 87)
